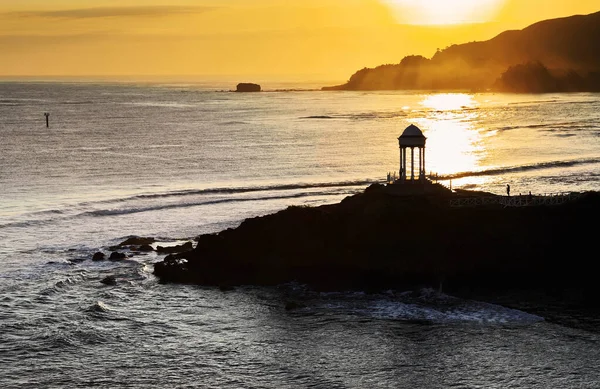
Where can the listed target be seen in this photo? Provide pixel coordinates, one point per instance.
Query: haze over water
(175, 161)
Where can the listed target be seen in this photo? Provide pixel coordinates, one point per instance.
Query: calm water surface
(175, 161)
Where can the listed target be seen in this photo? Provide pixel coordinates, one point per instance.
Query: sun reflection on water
(449, 101)
(454, 143)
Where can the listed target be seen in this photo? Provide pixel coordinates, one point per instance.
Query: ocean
(173, 161)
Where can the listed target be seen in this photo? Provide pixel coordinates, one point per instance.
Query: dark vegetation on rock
(247, 87)
(377, 240)
(562, 55)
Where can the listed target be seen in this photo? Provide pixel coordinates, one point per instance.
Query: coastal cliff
(557, 55)
(382, 239)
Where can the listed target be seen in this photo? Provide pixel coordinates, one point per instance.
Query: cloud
(112, 12)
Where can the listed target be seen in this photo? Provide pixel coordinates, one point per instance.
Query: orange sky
(265, 39)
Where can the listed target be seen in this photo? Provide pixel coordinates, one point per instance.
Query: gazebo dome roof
(412, 137)
(412, 131)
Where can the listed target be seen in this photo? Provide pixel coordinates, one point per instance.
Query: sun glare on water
(449, 101)
(454, 143)
(444, 12)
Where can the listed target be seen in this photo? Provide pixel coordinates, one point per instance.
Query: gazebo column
(404, 164)
(420, 164)
(400, 168)
(412, 163)
(424, 172)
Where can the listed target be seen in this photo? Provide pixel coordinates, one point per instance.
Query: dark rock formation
(381, 239)
(99, 256)
(145, 248)
(116, 256)
(248, 87)
(175, 249)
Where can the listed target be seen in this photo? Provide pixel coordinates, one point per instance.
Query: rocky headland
(391, 237)
(556, 55)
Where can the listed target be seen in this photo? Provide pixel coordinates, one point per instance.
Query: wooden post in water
(47, 115)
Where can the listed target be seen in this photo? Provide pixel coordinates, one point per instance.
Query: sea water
(175, 161)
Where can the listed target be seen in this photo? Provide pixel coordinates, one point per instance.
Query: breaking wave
(113, 212)
(521, 168)
(329, 189)
(571, 125)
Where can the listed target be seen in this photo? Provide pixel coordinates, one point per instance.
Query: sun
(444, 12)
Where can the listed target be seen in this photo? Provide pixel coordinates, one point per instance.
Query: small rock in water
(248, 87)
(145, 248)
(116, 256)
(109, 280)
(98, 257)
(137, 241)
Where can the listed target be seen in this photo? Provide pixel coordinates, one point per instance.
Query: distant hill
(549, 56)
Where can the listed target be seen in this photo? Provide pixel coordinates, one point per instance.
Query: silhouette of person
(507, 190)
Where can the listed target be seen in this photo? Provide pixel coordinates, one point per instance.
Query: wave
(452, 312)
(534, 102)
(519, 169)
(84, 102)
(425, 306)
(550, 126)
(98, 307)
(62, 285)
(250, 189)
(18, 102)
(126, 211)
(57, 215)
(232, 123)
(160, 104)
(295, 90)
(358, 116)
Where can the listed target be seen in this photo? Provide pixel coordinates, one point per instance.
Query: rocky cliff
(384, 239)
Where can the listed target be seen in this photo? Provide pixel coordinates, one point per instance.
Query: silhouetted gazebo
(412, 138)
